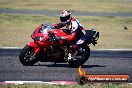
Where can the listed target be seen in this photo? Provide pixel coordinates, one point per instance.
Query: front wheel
(27, 56)
(79, 57)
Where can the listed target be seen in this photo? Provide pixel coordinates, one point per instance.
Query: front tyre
(27, 56)
(79, 58)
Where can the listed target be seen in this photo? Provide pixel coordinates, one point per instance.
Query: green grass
(77, 5)
(15, 30)
(95, 85)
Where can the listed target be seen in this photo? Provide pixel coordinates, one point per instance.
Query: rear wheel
(79, 57)
(27, 56)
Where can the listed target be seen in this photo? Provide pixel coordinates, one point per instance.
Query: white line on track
(26, 82)
(41, 82)
(11, 47)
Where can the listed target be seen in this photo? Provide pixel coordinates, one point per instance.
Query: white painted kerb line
(27, 82)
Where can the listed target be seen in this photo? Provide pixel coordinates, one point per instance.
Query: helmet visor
(63, 19)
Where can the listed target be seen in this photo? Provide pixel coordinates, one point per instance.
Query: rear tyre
(27, 56)
(79, 58)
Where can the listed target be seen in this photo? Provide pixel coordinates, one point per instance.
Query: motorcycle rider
(73, 27)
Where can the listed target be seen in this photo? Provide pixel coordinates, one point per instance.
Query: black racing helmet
(65, 16)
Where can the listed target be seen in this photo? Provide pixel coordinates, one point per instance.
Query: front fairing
(41, 32)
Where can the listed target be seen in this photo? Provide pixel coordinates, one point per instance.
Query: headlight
(39, 38)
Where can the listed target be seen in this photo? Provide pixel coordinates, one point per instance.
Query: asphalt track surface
(100, 62)
(55, 13)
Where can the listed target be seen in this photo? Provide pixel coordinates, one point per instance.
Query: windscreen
(46, 28)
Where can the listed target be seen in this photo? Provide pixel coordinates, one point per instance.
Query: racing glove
(60, 25)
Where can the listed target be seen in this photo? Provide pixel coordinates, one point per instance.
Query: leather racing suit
(76, 30)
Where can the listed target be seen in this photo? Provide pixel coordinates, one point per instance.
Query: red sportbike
(46, 48)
